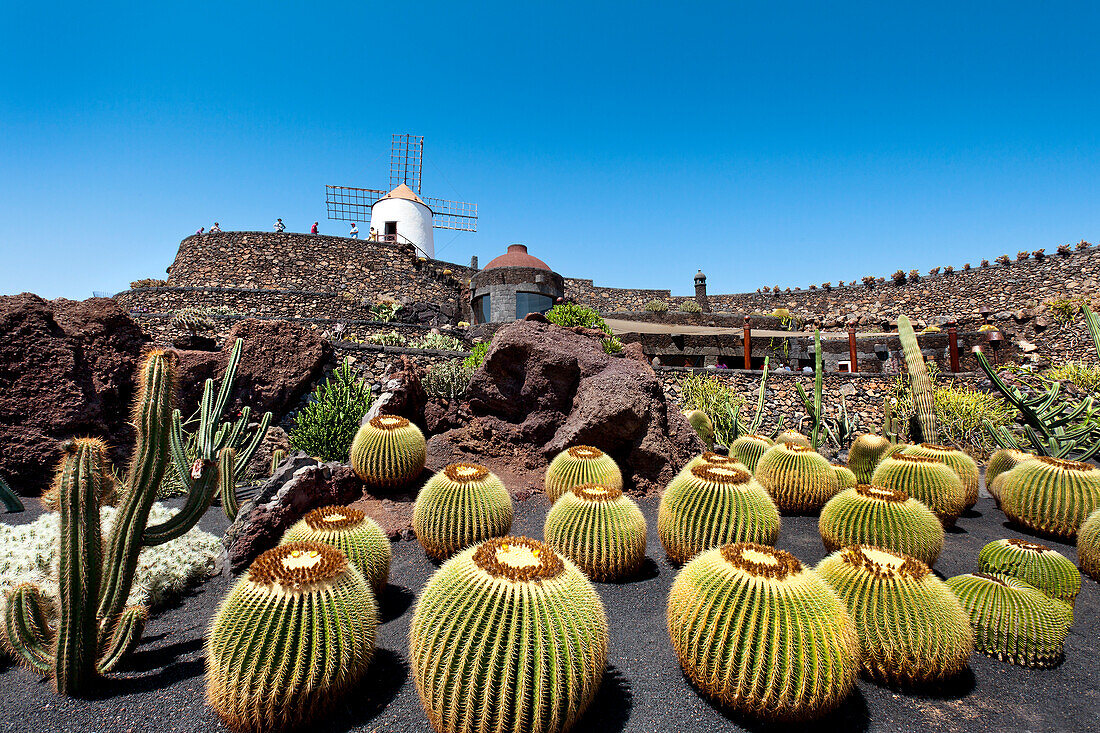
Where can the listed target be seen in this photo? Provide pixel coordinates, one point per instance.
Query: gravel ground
(644, 690)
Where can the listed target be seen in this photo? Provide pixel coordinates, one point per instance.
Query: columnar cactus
(353, 533)
(761, 634)
(537, 671)
(599, 529)
(747, 449)
(292, 636)
(887, 518)
(581, 464)
(798, 478)
(709, 506)
(845, 477)
(1088, 546)
(866, 452)
(1013, 621)
(460, 506)
(1002, 461)
(702, 425)
(1046, 569)
(1050, 495)
(793, 437)
(388, 452)
(962, 464)
(925, 479)
(277, 457)
(911, 627)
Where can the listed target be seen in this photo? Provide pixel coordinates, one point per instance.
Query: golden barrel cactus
(507, 636)
(579, 465)
(962, 464)
(353, 533)
(1050, 495)
(927, 480)
(460, 506)
(911, 627)
(712, 505)
(599, 529)
(793, 437)
(1088, 546)
(1046, 569)
(761, 634)
(711, 458)
(388, 452)
(866, 452)
(845, 477)
(747, 449)
(265, 668)
(798, 478)
(1001, 462)
(887, 518)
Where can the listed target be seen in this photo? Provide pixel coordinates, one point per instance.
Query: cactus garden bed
(161, 686)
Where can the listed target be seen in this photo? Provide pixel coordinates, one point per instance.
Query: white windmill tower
(400, 214)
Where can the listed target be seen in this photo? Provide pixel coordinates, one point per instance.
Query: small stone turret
(701, 291)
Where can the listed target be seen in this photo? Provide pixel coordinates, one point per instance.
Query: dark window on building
(532, 303)
(481, 309)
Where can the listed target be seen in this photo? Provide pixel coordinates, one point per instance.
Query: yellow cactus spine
(925, 479)
(887, 518)
(353, 533)
(507, 636)
(761, 634)
(599, 529)
(388, 452)
(712, 505)
(293, 635)
(845, 477)
(864, 455)
(581, 464)
(460, 506)
(1001, 462)
(747, 449)
(1050, 495)
(1088, 546)
(962, 464)
(912, 628)
(1046, 569)
(793, 437)
(798, 478)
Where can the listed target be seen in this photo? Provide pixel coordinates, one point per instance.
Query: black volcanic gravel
(644, 690)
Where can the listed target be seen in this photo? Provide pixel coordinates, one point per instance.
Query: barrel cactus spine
(1046, 569)
(263, 672)
(761, 634)
(1001, 462)
(599, 529)
(712, 505)
(388, 452)
(460, 506)
(747, 449)
(925, 479)
(1013, 620)
(353, 533)
(703, 426)
(864, 455)
(911, 627)
(887, 518)
(845, 477)
(1050, 495)
(1088, 546)
(579, 465)
(799, 479)
(959, 462)
(475, 674)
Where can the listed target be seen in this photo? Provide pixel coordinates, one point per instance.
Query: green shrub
(612, 345)
(383, 311)
(438, 342)
(1085, 376)
(477, 356)
(448, 379)
(569, 315)
(325, 427)
(656, 306)
(690, 306)
(391, 338)
(707, 393)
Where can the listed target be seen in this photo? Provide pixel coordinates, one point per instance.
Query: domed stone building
(513, 285)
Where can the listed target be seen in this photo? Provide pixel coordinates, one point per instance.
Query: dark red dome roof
(516, 256)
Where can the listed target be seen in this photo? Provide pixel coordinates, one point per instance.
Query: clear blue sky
(768, 143)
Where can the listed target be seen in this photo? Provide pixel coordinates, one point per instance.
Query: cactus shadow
(395, 600)
(955, 688)
(386, 676)
(648, 570)
(610, 710)
(851, 716)
(149, 670)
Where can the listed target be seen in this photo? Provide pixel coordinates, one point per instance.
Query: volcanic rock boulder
(543, 388)
(300, 485)
(66, 369)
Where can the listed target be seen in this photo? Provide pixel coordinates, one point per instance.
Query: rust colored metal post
(748, 343)
(953, 344)
(852, 347)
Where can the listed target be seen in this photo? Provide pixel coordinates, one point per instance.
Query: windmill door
(391, 231)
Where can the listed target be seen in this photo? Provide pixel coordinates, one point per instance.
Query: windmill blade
(458, 215)
(350, 204)
(406, 161)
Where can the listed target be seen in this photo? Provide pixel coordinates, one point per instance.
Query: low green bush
(1085, 376)
(656, 306)
(326, 425)
(448, 379)
(706, 392)
(438, 342)
(690, 306)
(570, 315)
(390, 338)
(477, 356)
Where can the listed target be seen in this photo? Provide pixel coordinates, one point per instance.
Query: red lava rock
(66, 370)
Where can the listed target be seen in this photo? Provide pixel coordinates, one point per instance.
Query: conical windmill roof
(403, 192)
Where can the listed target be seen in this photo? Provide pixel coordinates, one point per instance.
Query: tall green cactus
(920, 383)
(813, 407)
(96, 574)
(8, 497)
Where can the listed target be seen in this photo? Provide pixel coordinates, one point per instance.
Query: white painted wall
(414, 222)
